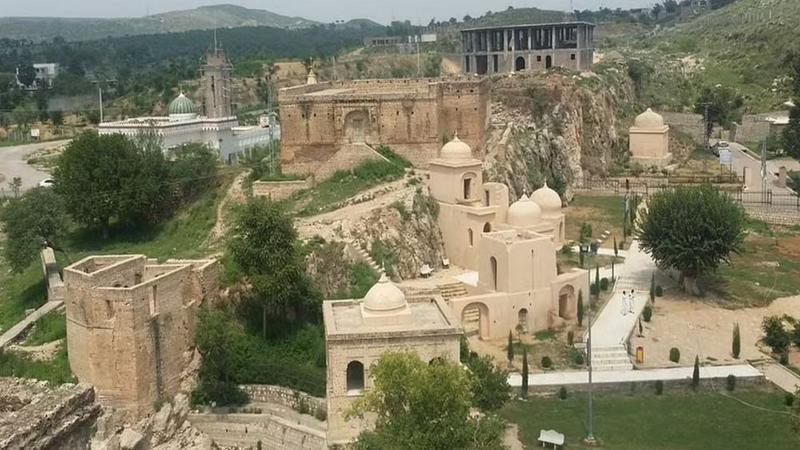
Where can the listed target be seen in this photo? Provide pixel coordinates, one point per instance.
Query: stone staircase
(453, 290)
(611, 358)
(364, 256)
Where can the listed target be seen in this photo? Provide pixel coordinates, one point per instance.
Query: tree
(510, 349)
(422, 406)
(524, 373)
(692, 230)
(580, 308)
(616, 248)
(791, 134)
(108, 178)
(193, 169)
(641, 329)
(653, 288)
(490, 389)
(671, 6)
(38, 217)
(736, 345)
(262, 245)
(597, 281)
(696, 373)
(26, 74)
(724, 105)
(218, 340)
(775, 334)
(433, 65)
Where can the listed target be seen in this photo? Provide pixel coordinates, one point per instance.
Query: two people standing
(627, 302)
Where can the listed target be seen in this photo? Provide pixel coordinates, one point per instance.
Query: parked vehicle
(46, 183)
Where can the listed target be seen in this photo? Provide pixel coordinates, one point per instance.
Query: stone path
(23, 324)
(621, 376)
(781, 376)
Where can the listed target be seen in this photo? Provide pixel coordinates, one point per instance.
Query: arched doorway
(355, 377)
(522, 319)
(567, 306)
(356, 126)
(487, 227)
(519, 64)
(475, 320)
(548, 62)
(493, 265)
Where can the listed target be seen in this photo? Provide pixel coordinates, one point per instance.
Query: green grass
(691, 421)
(362, 278)
(19, 292)
(282, 177)
(602, 212)
(54, 371)
(329, 195)
(49, 328)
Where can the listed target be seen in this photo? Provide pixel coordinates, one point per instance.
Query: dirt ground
(701, 328)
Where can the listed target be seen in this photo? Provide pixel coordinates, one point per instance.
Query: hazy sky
(322, 10)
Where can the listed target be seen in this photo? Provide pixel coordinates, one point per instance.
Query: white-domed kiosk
(649, 140)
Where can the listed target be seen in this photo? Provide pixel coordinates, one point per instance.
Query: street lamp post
(590, 440)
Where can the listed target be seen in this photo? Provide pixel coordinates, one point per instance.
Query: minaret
(216, 76)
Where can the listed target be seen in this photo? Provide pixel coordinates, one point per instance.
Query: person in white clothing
(624, 303)
(630, 302)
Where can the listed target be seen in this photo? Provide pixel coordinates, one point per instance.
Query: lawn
(679, 421)
(768, 268)
(602, 212)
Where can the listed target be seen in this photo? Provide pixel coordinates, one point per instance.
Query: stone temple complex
(649, 140)
(131, 323)
(214, 123)
(330, 126)
(358, 332)
(513, 48)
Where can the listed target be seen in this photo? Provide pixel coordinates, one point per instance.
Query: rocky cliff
(558, 126)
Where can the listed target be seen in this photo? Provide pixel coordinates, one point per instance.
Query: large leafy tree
(691, 229)
(107, 178)
(30, 222)
(26, 74)
(423, 406)
(263, 245)
(193, 170)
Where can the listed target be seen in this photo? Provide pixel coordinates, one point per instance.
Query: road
(742, 159)
(13, 163)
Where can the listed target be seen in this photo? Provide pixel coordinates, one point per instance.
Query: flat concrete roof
(429, 316)
(530, 25)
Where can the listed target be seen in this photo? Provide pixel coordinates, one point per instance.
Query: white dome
(548, 200)
(456, 150)
(649, 120)
(524, 212)
(384, 296)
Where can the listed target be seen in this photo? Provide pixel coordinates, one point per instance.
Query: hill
(517, 16)
(748, 44)
(202, 18)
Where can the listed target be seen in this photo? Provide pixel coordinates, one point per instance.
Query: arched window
(493, 264)
(487, 227)
(355, 377)
(519, 64)
(469, 234)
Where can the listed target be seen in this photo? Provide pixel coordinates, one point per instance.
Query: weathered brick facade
(131, 323)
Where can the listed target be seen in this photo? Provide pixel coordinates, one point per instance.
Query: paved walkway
(23, 324)
(621, 376)
(781, 376)
(612, 327)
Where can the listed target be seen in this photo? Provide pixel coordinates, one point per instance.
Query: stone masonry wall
(282, 396)
(247, 430)
(279, 190)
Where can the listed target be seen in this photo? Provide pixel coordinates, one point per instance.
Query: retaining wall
(279, 190)
(280, 395)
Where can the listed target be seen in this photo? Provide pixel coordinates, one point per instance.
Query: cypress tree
(613, 278)
(597, 280)
(616, 249)
(580, 308)
(510, 347)
(696, 373)
(736, 345)
(641, 330)
(653, 288)
(524, 373)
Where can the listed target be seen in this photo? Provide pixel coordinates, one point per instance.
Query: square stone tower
(216, 78)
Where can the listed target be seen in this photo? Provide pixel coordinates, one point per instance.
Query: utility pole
(706, 133)
(590, 440)
(99, 84)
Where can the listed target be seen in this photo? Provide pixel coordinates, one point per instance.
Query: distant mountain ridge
(201, 18)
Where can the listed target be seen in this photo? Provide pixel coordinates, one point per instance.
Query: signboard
(725, 157)
(35, 133)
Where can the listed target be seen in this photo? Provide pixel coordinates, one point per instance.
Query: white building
(45, 74)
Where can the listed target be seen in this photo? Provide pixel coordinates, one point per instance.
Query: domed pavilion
(649, 140)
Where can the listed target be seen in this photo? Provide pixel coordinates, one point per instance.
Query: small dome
(312, 77)
(456, 150)
(524, 212)
(548, 200)
(384, 296)
(182, 106)
(649, 120)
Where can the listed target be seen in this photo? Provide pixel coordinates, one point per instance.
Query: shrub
(567, 250)
(788, 399)
(647, 313)
(577, 357)
(730, 382)
(604, 284)
(775, 334)
(586, 231)
(562, 393)
(659, 291)
(674, 355)
(784, 359)
(696, 373)
(547, 362)
(321, 414)
(736, 345)
(659, 387)
(570, 337)
(594, 289)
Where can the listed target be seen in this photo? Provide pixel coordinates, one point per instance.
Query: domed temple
(213, 122)
(649, 140)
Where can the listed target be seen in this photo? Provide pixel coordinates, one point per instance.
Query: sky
(418, 11)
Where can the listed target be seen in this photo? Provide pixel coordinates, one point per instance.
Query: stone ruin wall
(413, 117)
(132, 343)
(280, 190)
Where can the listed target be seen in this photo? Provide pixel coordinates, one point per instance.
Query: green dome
(182, 105)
